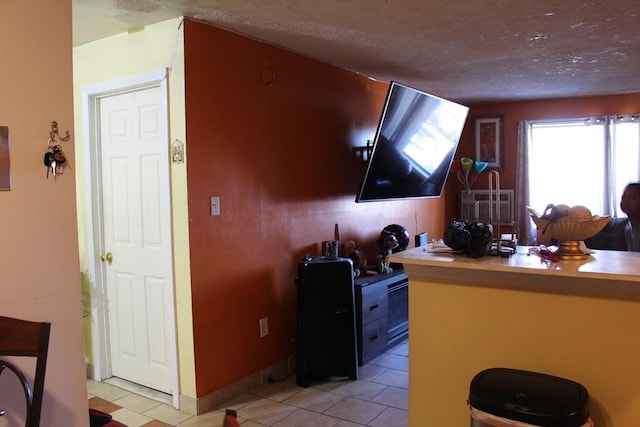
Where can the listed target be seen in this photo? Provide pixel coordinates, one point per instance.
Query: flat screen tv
(414, 146)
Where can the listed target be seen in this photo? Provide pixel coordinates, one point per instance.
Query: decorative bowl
(568, 228)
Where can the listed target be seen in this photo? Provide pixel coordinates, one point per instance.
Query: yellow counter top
(619, 270)
(611, 265)
(578, 320)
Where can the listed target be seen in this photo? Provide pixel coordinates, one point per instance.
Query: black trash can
(511, 397)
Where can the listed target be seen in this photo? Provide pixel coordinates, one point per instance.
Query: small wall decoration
(5, 171)
(177, 151)
(488, 137)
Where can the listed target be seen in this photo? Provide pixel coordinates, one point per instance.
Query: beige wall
(39, 269)
(158, 46)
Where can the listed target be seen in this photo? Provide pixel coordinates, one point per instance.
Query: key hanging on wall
(54, 158)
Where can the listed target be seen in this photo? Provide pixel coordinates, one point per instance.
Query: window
(583, 162)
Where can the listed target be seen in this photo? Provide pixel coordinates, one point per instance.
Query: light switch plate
(264, 327)
(215, 206)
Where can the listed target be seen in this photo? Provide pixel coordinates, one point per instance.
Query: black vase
(481, 235)
(472, 238)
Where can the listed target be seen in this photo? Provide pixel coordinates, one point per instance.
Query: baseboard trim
(213, 400)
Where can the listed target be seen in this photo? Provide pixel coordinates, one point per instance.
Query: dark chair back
(26, 339)
(611, 237)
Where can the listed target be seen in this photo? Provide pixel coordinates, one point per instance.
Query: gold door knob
(108, 257)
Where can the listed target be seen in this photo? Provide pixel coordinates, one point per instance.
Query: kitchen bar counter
(574, 319)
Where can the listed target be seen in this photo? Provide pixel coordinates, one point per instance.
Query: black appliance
(398, 318)
(326, 334)
(414, 146)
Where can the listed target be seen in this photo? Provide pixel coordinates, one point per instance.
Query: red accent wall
(530, 110)
(271, 133)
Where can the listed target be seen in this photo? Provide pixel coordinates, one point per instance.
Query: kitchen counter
(574, 319)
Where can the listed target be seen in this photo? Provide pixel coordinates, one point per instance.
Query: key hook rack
(55, 133)
(54, 158)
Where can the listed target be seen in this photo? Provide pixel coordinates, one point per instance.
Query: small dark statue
(472, 238)
(393, 238)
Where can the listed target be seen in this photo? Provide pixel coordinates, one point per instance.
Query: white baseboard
(213, 400)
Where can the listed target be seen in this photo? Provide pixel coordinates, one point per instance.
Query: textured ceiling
(471, 51)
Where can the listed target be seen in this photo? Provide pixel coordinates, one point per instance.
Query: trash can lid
(530, 397)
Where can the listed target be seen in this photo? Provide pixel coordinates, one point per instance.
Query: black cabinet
(381, 313)
(326, 333)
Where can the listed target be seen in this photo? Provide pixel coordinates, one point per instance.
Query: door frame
(94, 226)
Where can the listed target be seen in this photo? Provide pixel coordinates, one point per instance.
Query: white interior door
(136, 232)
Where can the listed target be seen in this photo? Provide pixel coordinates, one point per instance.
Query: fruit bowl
(567, 228)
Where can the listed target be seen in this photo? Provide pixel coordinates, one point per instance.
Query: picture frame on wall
(488, 139)
(5, 172)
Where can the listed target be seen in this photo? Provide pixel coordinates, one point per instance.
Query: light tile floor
(379, 398)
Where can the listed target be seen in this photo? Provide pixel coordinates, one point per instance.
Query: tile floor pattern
(379, 398)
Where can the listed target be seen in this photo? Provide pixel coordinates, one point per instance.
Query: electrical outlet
(264, 327)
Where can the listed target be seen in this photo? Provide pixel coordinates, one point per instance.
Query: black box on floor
(326, 336)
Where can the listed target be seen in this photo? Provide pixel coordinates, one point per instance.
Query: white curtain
(623, 158)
